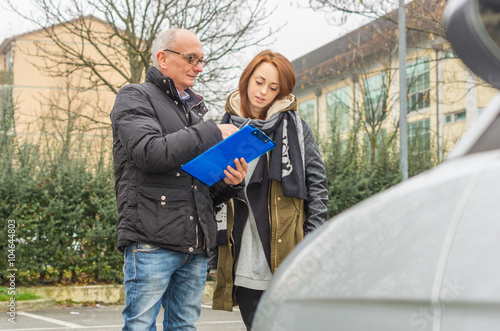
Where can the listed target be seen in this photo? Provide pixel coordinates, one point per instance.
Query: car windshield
(490, 15)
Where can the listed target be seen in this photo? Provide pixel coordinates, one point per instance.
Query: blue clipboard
(248, 143)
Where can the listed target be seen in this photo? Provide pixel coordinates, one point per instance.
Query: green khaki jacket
(287, 217)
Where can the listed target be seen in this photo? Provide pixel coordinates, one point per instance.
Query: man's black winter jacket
(154, 133)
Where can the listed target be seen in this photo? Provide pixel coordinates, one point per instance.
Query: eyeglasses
(191, 58)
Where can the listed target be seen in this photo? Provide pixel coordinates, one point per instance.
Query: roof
(344, 44)
(5, 45)
(376, 36)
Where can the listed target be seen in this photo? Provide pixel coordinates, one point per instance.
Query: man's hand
(236, 176)
(227, 130)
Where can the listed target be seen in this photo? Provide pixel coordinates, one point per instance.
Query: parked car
(423, 254)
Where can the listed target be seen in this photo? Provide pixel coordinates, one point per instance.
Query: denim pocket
(146, 248)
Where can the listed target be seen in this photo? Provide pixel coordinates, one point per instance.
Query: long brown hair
(285, 73)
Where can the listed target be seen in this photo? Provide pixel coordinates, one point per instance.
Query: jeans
(156, 276)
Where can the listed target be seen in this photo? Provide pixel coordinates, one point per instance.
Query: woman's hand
(227, 129)
(236, 176)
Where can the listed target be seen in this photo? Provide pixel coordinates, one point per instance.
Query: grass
(20, 295)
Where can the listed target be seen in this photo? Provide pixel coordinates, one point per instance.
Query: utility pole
(403, 95)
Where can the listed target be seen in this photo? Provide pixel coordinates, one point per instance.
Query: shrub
(359, 168)
(65, 215)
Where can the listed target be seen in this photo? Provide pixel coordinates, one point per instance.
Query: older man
(166, 224)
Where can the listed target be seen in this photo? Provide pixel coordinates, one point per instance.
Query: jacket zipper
(276, 232)
(195, 105)
(197, 241)
(187, 118)
(187, 111)
(271, 220)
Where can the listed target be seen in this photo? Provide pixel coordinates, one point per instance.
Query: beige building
(353, 77)
(51, 98)
(357, 77)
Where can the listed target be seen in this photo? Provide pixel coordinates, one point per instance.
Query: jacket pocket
(163, 213)
(292, 217)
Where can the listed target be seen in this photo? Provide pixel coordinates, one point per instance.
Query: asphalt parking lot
(107, 318)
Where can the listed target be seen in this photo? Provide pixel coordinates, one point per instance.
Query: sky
(304, 32)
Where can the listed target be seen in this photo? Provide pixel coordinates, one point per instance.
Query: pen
(245, 123)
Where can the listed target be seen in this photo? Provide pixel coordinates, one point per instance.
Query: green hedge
(358, 169)
(64, 209)
(65, 216)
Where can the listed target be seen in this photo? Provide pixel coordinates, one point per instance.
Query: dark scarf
(285, 160)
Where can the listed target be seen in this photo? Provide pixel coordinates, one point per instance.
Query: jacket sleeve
(135, 123)
(212, 260)
(317, 193)
(222, 192)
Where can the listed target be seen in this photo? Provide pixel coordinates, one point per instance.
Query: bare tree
(367, 59)
(422, 15)
(68, 124)
(121, 33)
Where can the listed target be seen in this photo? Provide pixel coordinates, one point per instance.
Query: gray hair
(164, 40)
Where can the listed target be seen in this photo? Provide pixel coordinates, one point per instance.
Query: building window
(419, 134)
(306, 111)
(456, 117)
(418, 84)
(337, 110)
(375, 98)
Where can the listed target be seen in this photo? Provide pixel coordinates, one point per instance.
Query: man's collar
(184, 95)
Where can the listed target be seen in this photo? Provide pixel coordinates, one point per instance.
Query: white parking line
(65, 325)
(210, 307)
(50, 320)
(218, 322)
(93, 327)
(37, 329)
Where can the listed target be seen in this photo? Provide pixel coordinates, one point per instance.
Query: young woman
(285, 195)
